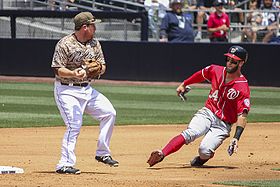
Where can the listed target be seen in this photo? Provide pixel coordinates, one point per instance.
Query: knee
(111, 113)
(189, 135)
(205, 152)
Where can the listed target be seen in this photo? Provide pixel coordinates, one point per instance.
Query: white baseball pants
(215, 130)
(72, 102)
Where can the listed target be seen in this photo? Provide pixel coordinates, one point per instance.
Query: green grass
(256, 183)
(32, 104)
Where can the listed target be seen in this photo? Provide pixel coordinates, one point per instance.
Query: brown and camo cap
(84, 18)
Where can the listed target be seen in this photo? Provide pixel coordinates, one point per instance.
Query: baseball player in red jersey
(228, 102)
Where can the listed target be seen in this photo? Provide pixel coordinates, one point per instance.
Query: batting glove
(233, 146)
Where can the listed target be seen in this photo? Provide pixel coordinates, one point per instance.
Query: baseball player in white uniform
(74, 96)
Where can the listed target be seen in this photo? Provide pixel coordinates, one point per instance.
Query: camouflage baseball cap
(84, 18)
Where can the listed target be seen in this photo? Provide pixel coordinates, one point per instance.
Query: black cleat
(68, 170)
(198, 162)
(107, 160)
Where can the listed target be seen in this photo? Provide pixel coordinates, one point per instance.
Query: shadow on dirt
(188, 166)
(83, 172)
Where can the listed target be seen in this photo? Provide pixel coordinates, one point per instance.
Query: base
(10, 170)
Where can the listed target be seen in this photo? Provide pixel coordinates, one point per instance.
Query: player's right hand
(80, 73)
(180, 89)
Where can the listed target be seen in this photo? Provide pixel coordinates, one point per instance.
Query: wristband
(238, 132)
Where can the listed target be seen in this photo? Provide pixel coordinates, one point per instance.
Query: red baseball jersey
(225, 100)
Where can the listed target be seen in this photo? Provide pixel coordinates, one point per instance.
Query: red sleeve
(244, 102)
(195, 78)
(199, 76)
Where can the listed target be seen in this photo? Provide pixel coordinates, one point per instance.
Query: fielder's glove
(233, 146)
(93, 68)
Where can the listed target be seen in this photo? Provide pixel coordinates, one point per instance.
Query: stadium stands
(122, 29)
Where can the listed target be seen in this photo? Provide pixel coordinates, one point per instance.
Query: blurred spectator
(275, 3)
(269, 20)
(266, 24)
(275, 39)
(254, 20)
(177, 26)
(271, 36)
(140, 1)
(156, 11)
(218, 23)
(51, 4)
(203, 16)
(152, 7)
(231, 5)
(58, 4)
(190, 4)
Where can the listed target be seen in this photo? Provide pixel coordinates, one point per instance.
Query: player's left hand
(93, 68)
(233, 146)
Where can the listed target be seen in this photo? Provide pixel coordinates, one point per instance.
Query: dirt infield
(37, 151)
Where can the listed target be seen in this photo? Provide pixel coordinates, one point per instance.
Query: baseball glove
(93, 68)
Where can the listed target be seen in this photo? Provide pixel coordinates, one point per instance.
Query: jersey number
(214, 95)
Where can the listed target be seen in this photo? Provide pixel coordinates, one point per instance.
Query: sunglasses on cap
(92, 21)
(232, 60)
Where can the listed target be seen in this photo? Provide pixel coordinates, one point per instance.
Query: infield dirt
(37, 151)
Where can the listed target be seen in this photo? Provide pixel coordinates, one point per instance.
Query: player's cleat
(198, 162)
(107, 160)
(68, 170)
(156, 157)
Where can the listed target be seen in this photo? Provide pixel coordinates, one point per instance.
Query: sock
(174, 145)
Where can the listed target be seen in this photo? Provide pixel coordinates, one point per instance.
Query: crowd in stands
(184, 20)
(263, 24)
(194, 20)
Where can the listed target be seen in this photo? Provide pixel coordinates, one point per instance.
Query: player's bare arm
(66, 73)
(242, 120)
(240, 126)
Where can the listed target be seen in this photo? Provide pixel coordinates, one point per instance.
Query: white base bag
(10, 170)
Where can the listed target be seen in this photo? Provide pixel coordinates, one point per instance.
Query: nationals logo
(247, 102)
(233, 50)
(232, 94)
